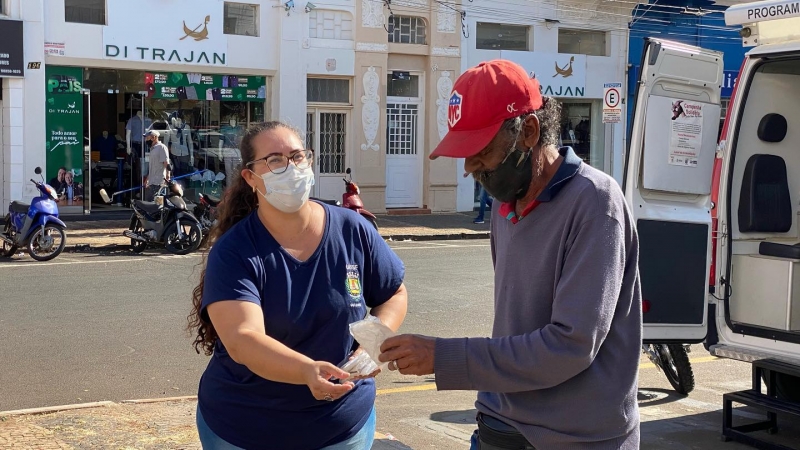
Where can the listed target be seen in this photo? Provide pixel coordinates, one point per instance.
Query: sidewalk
(102, 234)
(127, 425)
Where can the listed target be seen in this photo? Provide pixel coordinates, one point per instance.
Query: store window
(201, 118)
(407, 30)
(85, 11)
(583, 130)
(501, 36)
(582, 42)
(241, 19)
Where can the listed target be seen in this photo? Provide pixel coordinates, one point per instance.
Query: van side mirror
(37, 171)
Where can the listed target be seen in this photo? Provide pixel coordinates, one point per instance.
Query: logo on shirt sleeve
(353, 284)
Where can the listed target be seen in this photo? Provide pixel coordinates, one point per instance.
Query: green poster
(195, 86)
(64, 122)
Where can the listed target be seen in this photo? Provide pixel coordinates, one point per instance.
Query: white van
(719, 222)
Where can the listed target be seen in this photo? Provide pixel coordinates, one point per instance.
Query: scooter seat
(19, 207)
(149, 208)
(213, 201)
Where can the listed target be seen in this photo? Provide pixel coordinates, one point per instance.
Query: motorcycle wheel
(137, 246)
(193, 236)
(676, 366)
(47, 243)
(8, 250)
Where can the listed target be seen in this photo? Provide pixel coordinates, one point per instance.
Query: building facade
(693, 22)
(364, 80)
(577, 49)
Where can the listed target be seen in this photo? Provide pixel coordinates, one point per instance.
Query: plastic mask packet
(370, 334)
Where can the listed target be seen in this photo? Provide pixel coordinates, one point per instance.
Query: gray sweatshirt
(562, 363)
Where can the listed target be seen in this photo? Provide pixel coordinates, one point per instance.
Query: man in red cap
(560, 370)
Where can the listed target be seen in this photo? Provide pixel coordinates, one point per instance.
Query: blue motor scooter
(35, 226)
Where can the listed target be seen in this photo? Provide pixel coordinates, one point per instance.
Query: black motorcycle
(206, 213)
(166, 221)
(673, 360)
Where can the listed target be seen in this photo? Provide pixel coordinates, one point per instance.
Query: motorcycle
(35, 226)
(166, 221)
(673, 360)
(206, 213)
(352, 200)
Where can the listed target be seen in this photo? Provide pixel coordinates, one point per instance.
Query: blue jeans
(485, 200)
(361, 441)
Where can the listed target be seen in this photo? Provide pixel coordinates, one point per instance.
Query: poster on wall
(64, 128)
(195, 86)
(686, 133)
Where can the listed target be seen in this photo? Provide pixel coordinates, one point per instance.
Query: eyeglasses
(277, 163)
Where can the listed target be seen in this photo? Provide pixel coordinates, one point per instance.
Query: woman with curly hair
(284, 279)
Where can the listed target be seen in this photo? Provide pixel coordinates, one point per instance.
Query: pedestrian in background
(159, 166)
(485, 200)
(560, 370)
(282, 283)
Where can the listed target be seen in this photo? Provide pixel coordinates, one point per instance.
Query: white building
(364, 83)
(573, 48)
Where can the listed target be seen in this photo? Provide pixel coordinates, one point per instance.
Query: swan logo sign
(559, 75)
(190, 32)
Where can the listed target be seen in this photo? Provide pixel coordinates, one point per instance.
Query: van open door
(667, 185)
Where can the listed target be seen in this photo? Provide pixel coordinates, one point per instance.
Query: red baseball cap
(482, 99)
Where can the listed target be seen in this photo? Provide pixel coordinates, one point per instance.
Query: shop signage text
(560, 75)
(729, 78)
(12, 58)
(64, 121)
(187, 32)
(163, 55)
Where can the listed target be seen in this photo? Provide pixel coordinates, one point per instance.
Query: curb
(145, 401)
(77, 248)
(52, 409)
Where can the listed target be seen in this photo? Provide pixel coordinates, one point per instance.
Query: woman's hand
(317, 376)
(374, 374)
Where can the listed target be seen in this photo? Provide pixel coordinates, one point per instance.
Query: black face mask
(511, 179)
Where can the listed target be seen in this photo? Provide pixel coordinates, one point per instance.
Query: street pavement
(108, 326)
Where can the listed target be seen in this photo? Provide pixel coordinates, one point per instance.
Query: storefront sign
(175, 32)
(195, 86)
(612, 103)
(64, 121)
(560, 75)
(12, 58)
(55, 48)
(729, 78)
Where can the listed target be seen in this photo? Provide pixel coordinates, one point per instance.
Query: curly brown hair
(238, 202)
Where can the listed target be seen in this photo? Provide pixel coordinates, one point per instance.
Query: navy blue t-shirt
(307, 307)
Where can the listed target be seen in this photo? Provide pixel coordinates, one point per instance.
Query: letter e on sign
(612, 98)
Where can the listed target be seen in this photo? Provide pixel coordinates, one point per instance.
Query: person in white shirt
(159, 165)
(181, 146)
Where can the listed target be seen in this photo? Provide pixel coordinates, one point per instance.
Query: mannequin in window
(106, 145)
(181, 146)
(233, 130)
(134, 131)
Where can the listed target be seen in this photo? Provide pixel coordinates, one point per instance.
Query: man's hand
(411, 354)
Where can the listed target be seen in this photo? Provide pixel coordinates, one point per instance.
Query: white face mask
(290, 190)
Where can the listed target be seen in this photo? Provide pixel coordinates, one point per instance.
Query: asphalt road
(92, 327)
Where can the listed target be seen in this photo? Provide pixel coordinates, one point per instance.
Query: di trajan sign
(12, 58)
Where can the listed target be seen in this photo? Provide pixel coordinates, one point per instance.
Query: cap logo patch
(511, 109)
(454, 109)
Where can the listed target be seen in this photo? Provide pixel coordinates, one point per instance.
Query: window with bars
(241, 19)
(332, 136)
(327, 90)
(401, 136)
(407, 30)
(85, 11)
